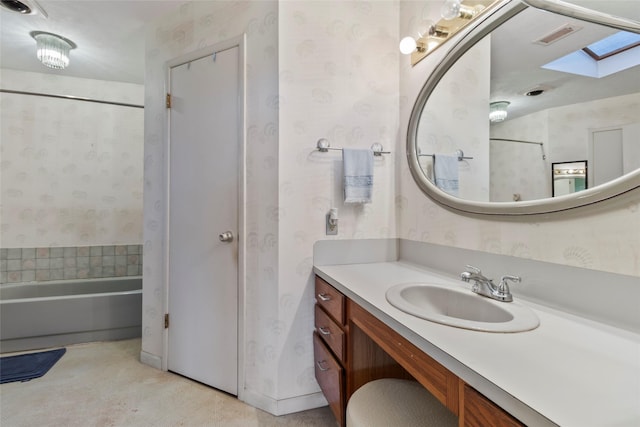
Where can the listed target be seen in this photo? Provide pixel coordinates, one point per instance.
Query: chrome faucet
(485, 286)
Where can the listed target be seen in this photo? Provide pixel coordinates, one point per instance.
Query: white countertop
(569, 371)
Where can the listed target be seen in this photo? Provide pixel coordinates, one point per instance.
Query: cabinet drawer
(330, 299)
(330, 332)
(480, 411)
(330, 377)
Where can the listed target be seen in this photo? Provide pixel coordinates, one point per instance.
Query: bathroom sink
(461, 308)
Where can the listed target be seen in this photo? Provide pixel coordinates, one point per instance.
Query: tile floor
(104, 384)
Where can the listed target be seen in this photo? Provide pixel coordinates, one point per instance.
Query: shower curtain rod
(544, 156)
(71, 97)
(516, 140)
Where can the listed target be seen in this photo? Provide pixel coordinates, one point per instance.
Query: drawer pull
(324, 331)
(319, 363)
(324, 297)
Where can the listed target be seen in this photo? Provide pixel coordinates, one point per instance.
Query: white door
(606, 156)
(203, 204)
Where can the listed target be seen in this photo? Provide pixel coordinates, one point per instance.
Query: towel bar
(323, 146)
(458, 153)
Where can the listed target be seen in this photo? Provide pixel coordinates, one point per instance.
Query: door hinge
(168, 100)
(166, 321)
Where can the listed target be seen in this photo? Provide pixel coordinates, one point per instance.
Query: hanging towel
(445, 170)
(358, 175)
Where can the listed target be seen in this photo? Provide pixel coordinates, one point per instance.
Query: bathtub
(58, 313)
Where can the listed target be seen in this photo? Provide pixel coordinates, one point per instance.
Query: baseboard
(61, 340)
(151, 360)
(283, 406)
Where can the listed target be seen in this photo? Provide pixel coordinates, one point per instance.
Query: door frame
(240, 43)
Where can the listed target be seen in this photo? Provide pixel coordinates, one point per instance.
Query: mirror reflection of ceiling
(517, 61)
(576, 117)
(109, 35)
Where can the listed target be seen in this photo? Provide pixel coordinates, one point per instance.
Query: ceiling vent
(557, 34)
(538, 90)
(23, 7)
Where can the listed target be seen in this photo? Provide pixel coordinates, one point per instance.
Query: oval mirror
(525, 90)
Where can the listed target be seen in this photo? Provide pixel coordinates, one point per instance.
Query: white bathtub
(57, 313)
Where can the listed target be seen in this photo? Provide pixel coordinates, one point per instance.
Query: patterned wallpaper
(603, 237)
(71, 171)
(338, 80)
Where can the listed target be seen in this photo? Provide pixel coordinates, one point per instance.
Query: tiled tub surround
(82, 262)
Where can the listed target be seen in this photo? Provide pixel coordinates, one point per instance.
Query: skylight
(614, 44)
(610, 55)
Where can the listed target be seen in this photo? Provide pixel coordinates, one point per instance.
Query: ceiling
(516, 61)
(109, 36)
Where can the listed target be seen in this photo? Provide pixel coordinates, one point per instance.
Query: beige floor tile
(104, 384)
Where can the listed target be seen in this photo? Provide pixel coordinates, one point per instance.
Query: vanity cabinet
(329, 347)
(353, 347)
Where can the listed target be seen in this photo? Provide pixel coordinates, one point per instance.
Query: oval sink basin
(461, 308)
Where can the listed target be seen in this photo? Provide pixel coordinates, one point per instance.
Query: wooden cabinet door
(330, 376)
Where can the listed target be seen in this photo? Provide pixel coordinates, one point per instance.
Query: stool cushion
(394, 402)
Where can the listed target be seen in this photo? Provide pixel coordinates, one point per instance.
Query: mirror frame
(502, 13)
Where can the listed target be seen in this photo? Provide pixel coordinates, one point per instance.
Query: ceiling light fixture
(498, 111)
(52, 50)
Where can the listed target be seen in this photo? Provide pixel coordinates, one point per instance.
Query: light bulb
(408, 45)
(450, 9)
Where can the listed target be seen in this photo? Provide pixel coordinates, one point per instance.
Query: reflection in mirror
(568, 177)
(549, 111)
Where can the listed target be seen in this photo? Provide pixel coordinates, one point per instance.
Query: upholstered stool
(395, 402)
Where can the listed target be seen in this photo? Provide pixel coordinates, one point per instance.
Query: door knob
(227, 236)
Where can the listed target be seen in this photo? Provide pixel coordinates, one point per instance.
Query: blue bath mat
(25, 367)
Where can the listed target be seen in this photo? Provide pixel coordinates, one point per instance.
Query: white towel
(445, 171)
(358, 175)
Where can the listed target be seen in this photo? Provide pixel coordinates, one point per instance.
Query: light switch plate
(332, 230)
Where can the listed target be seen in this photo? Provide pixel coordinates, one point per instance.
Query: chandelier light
(498, 111)
(52, 50)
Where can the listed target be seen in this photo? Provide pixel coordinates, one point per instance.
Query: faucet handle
(474, 269)
(503, 286)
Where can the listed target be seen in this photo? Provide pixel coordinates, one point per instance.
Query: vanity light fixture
(456, 14)
(427, 40)
(498, 111)
(408, 45)
(52, 50)
(452, 9)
